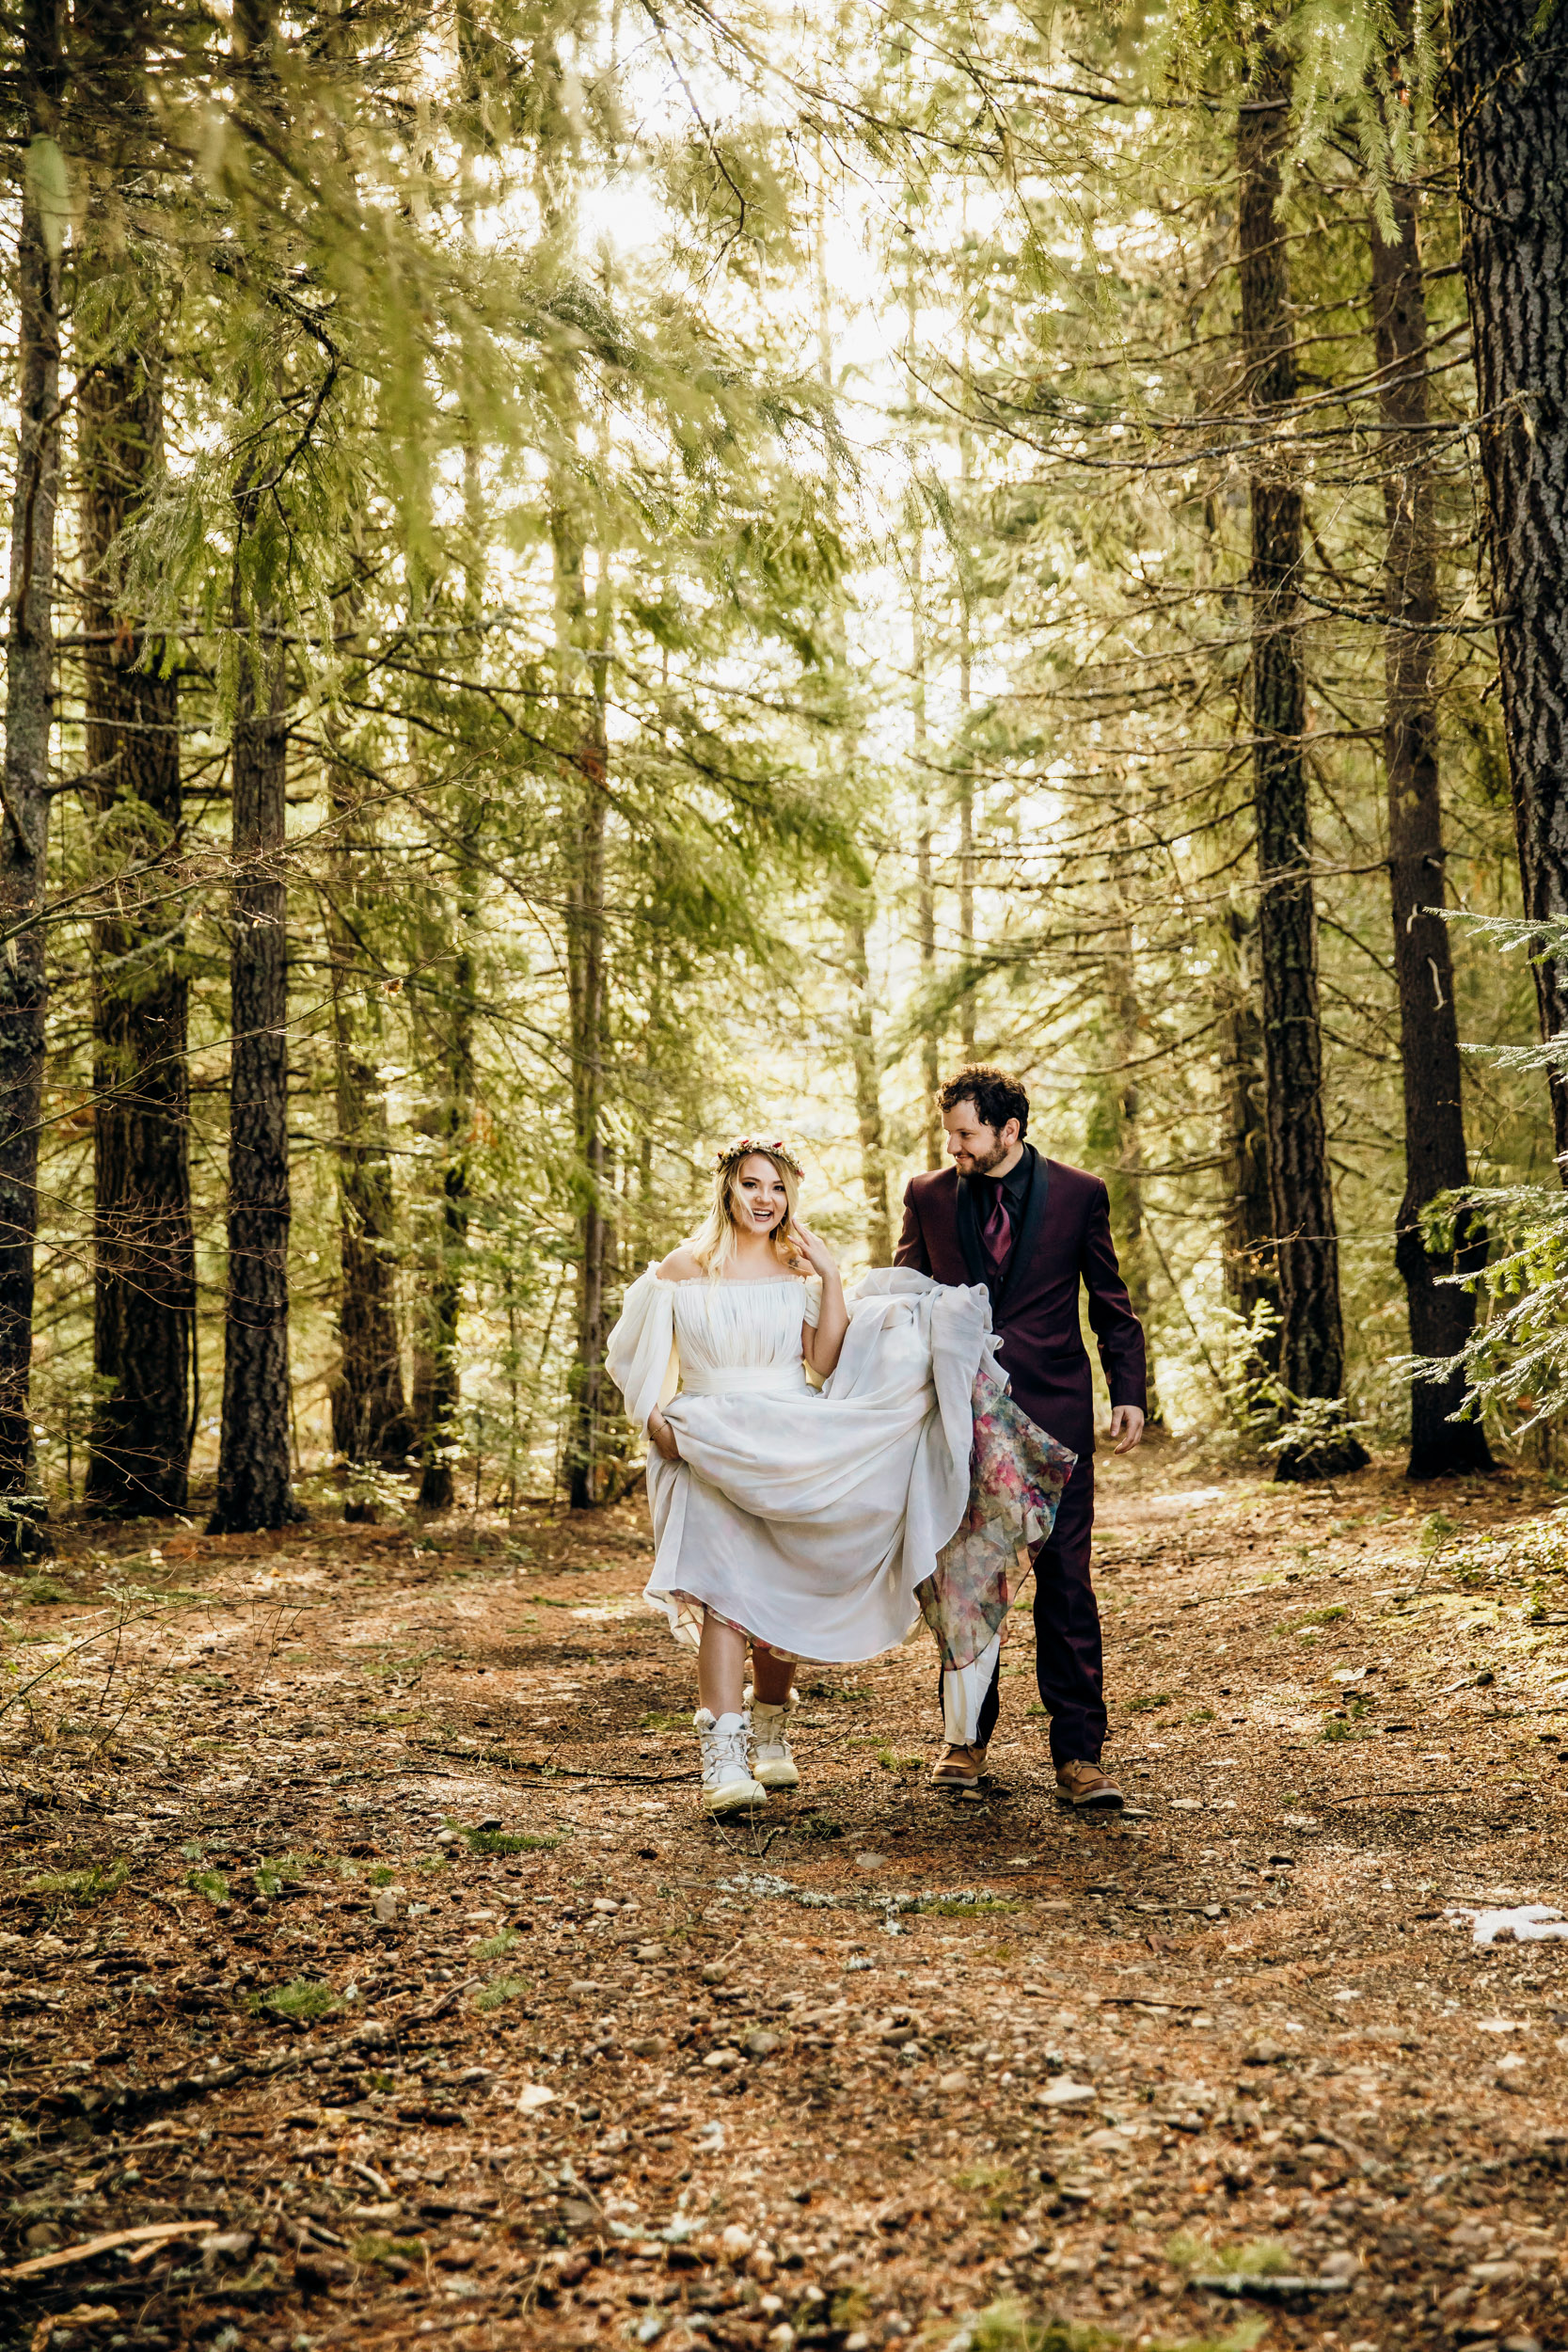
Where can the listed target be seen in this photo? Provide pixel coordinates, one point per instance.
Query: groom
(1031, 1229)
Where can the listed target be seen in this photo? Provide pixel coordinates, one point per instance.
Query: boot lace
(724, 1754)
(772, 1734)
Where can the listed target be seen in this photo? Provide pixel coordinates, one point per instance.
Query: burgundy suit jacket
(1066, 1239)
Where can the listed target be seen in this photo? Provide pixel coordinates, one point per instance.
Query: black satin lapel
(969, 1232)
(1034, 1211)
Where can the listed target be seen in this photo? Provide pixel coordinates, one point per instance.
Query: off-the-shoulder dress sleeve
(639, 1353)
(811, 1303)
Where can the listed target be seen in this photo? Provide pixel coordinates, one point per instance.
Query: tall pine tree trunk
(852, 907)
(582, 666)
(1249, 1256)
(442, 1398)
(24, 830)
(965, 789)
(1312, 1338)
(370, 1419)
(1124, 1178)
(438, 1364)
(1441, 1315)
(1511, 84)
(144, 1274)
(586, 968)
(925, 899)
(968, 1004)
(254, 1486)
(254, 1489)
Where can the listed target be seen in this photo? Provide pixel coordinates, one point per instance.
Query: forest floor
(368, 1972)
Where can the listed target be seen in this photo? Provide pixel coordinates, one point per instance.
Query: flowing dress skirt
(809, 1519)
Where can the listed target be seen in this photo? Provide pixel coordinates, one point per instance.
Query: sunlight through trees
(586, 578)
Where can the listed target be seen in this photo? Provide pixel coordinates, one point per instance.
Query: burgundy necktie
(997, 1230)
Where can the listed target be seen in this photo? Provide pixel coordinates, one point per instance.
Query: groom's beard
(982, 1165)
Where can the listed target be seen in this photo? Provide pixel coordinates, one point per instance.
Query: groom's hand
(1127, 1428)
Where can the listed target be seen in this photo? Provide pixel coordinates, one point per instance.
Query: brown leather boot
(1085, 1785)
(959, 1768)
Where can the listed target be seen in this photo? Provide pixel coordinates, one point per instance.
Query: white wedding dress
(807, 1517)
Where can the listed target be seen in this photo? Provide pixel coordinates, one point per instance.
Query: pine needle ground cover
(369, 1973)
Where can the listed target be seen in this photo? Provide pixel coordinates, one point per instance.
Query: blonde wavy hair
(713, 1244)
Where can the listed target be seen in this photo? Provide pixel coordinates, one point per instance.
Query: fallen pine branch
(149, 2234)
(1144, 2000)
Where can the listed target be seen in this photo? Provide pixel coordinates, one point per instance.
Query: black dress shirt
(1014, 1189)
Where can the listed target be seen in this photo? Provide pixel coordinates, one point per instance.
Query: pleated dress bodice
(733, 1338)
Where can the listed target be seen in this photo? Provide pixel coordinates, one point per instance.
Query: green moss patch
(304, 1999)
(507, 1840)
(91, 1886)
(1009, 2327)
(1257, 2258)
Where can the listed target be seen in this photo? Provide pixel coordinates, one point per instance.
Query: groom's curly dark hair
(996, 1095)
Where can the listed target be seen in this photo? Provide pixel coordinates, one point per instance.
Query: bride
(809, 1461)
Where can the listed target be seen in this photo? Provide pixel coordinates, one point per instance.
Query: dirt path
(380, 1970)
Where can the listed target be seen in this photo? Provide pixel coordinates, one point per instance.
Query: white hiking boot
(771, 1761)
(727, 1783)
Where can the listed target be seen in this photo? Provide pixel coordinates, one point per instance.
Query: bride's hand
(814, 1250)
(663, 1435)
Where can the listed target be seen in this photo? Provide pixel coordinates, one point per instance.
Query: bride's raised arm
(822, 1335)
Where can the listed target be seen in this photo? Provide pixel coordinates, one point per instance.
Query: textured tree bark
(926, 896)
(965, 785)
(1311, 1337)
(421, 1388)
(439, 1429)
(1442, 1316)
(926, 900)
(965, 794)
(586, 1467)
(144, 1271)
(370, 1419)
(24, 833)
(1124, 1177)
(448, 1121)
(1249, 1256)
(254, 1489)
(1510, 89)
(582, 658)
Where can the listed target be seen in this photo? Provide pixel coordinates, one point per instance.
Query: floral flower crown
(775, 1146)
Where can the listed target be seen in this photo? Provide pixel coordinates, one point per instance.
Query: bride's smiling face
(757, 1197)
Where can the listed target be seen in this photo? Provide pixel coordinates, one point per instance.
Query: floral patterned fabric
(1017, 1475)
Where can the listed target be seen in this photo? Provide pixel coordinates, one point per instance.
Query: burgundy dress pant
(1069, 1658)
